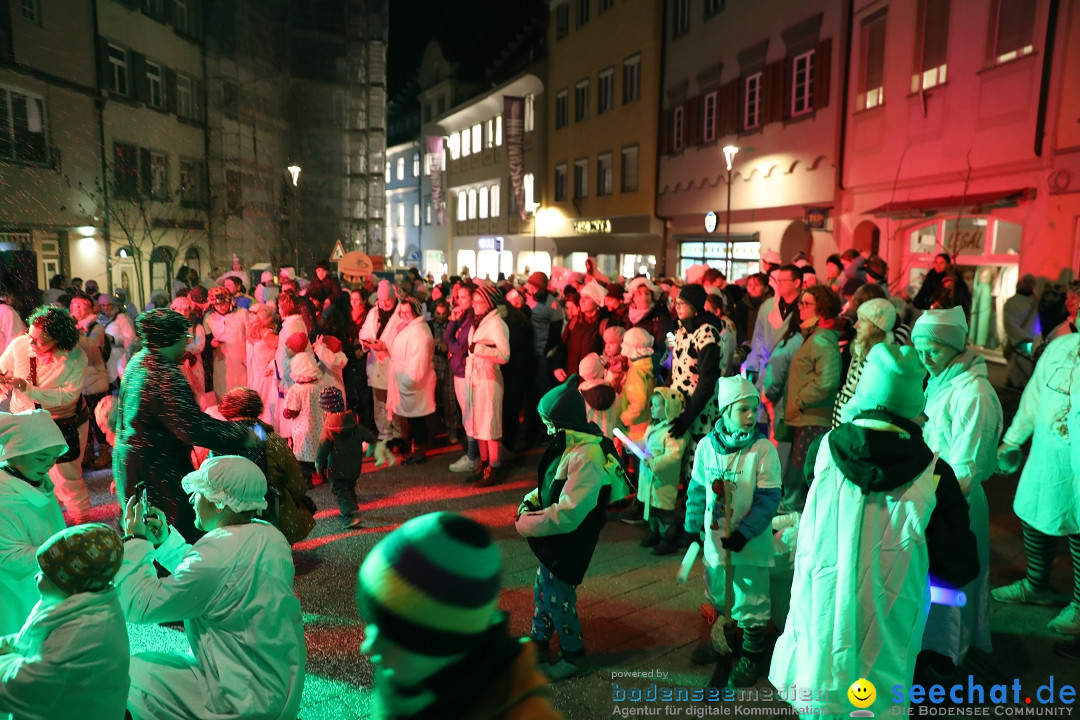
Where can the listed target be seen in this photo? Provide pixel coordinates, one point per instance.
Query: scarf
(635, 316)
(960, 364)
(732, 442)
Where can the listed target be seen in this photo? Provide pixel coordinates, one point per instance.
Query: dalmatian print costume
(684, 372)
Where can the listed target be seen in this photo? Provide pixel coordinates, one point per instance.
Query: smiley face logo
(862, 693)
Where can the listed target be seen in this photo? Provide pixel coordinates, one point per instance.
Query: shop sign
(816, 217)
(592, 227)
(490, 243)
(710, 221)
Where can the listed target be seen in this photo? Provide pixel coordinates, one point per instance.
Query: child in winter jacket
(600, 397)
(614, 361)
(578, 476)
(302, 408)
(638, 383)
(658, 481)
(341, 453)
(736, 455)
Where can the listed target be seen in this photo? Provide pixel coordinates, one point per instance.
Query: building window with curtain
(603, 174)
(629, 169)
(581, 179)
(872, 90)
(560, 182)
(631, 78)
(1012, 27)
(930, 60)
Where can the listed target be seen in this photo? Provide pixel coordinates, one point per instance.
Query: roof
(972, 203)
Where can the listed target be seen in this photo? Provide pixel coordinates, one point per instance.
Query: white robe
(861, 589)
(378, 363)
(410, 391)
(234, 591)
(230, 357)
(71, 660)
(490, 343)
(28, 517)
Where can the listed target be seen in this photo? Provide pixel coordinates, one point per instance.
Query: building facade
(762, 88)
(405, 221)
(603, 80)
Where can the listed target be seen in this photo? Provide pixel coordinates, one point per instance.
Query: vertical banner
(435, 175)
(514, 124)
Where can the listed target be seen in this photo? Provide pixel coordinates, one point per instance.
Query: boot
(746, 671)
(650, 540)
(492, 475)
(481, 468)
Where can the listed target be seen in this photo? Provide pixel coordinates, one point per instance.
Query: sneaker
(704, 654)
(650, 540)
(746, 671)
(566, 668)
(635, 515)
(1022, 592)
(491, 475)
(543, 651)
(464, 465)
(481, 468)
(352, 521)
(1068, 620)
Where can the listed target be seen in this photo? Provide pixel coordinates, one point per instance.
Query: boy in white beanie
(735, 454)
(233, 589)
(658, 480)
(868, 544)
(30, 442)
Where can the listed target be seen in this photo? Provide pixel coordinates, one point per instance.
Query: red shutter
(692, 122)
(822, 73)
(727, 100)
(772, 92)
(788, 84)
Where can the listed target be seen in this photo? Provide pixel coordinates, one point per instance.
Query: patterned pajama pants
(555, 610)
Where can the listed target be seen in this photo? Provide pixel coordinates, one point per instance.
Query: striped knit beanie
(432, 585)
(490, 294)
(331, 400)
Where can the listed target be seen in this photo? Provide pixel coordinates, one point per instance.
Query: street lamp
(729, 155)
(294, 171)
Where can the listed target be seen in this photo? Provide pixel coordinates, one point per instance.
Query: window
(802, 86)
(483, 203)
(117, 81)
(22, 127)
(401, 215)
(1013, 29)
(581, 16)
(603, 5)
(401, 168)
(472, 203)
(30, 10)
(603, 174)
(629, 168)
(191, 185)
(477, 137)
(126, 170)
(233, 192)
(489, 136)
(416, 214)
(427, 213)
(389, 172)
(186, 21)
(498, 131)
(562, 114)
(631, 79)
(462, 206)
(157, 183)
(560, 182)
(708, 118)
(581, 101)
(930, 63)
(530, 192)
(677, 129)
(416, 165)
(389, 214)
(605, 91)
(494, 203)
(581, 179)
(680, 24)
(455, 146)
(562, 20)
(466, 143)
(752, 101)
(185, 101)
(427, 164)
(712, 7)
(872, 92)
(530, 112)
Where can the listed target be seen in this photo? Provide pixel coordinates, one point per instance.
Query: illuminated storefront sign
(591, 227)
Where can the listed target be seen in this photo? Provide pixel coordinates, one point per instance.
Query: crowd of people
(753, 417)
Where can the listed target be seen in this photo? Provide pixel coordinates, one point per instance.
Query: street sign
(338, 252)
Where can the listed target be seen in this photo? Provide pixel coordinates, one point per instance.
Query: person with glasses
(46, 368)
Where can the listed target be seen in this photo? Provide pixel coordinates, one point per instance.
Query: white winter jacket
(410, 390)
(489, 343)
(1048, 496)
(70, 660)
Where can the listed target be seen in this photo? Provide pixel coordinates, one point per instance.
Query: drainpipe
(99, 105)
(660, 144)
(1044, 83)
(850, 18)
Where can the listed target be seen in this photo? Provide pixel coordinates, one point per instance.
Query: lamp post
(294, 171)
(729, 155)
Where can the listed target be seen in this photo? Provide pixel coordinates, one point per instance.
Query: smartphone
(144, 502)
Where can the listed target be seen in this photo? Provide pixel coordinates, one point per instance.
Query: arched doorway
(867, 238)
(193, 259)
(797, 239)
(161, 269)
(124, 276)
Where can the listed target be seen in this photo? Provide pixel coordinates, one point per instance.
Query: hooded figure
(233, 590)
(30, 442)
(73, 650)
(860, 596)
(600, 396)
(658, 481)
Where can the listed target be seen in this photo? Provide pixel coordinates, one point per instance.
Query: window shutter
(728, 110)
(144, 172)
(197, 104)
(170, 91)
(692, 120)
(138, 77)
(103, 62)
(788, 85)
(772, 92)
(822, 73)
(665, 132)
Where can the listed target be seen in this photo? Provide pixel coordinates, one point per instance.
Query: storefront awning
(973, 203)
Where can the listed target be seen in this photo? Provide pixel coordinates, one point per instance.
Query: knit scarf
(635, 316)
(728, 442)
(451, 691)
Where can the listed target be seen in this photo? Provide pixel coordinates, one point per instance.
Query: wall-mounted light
(86, 231)
(294, 171)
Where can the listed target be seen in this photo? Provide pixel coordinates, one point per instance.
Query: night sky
(470, 32)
